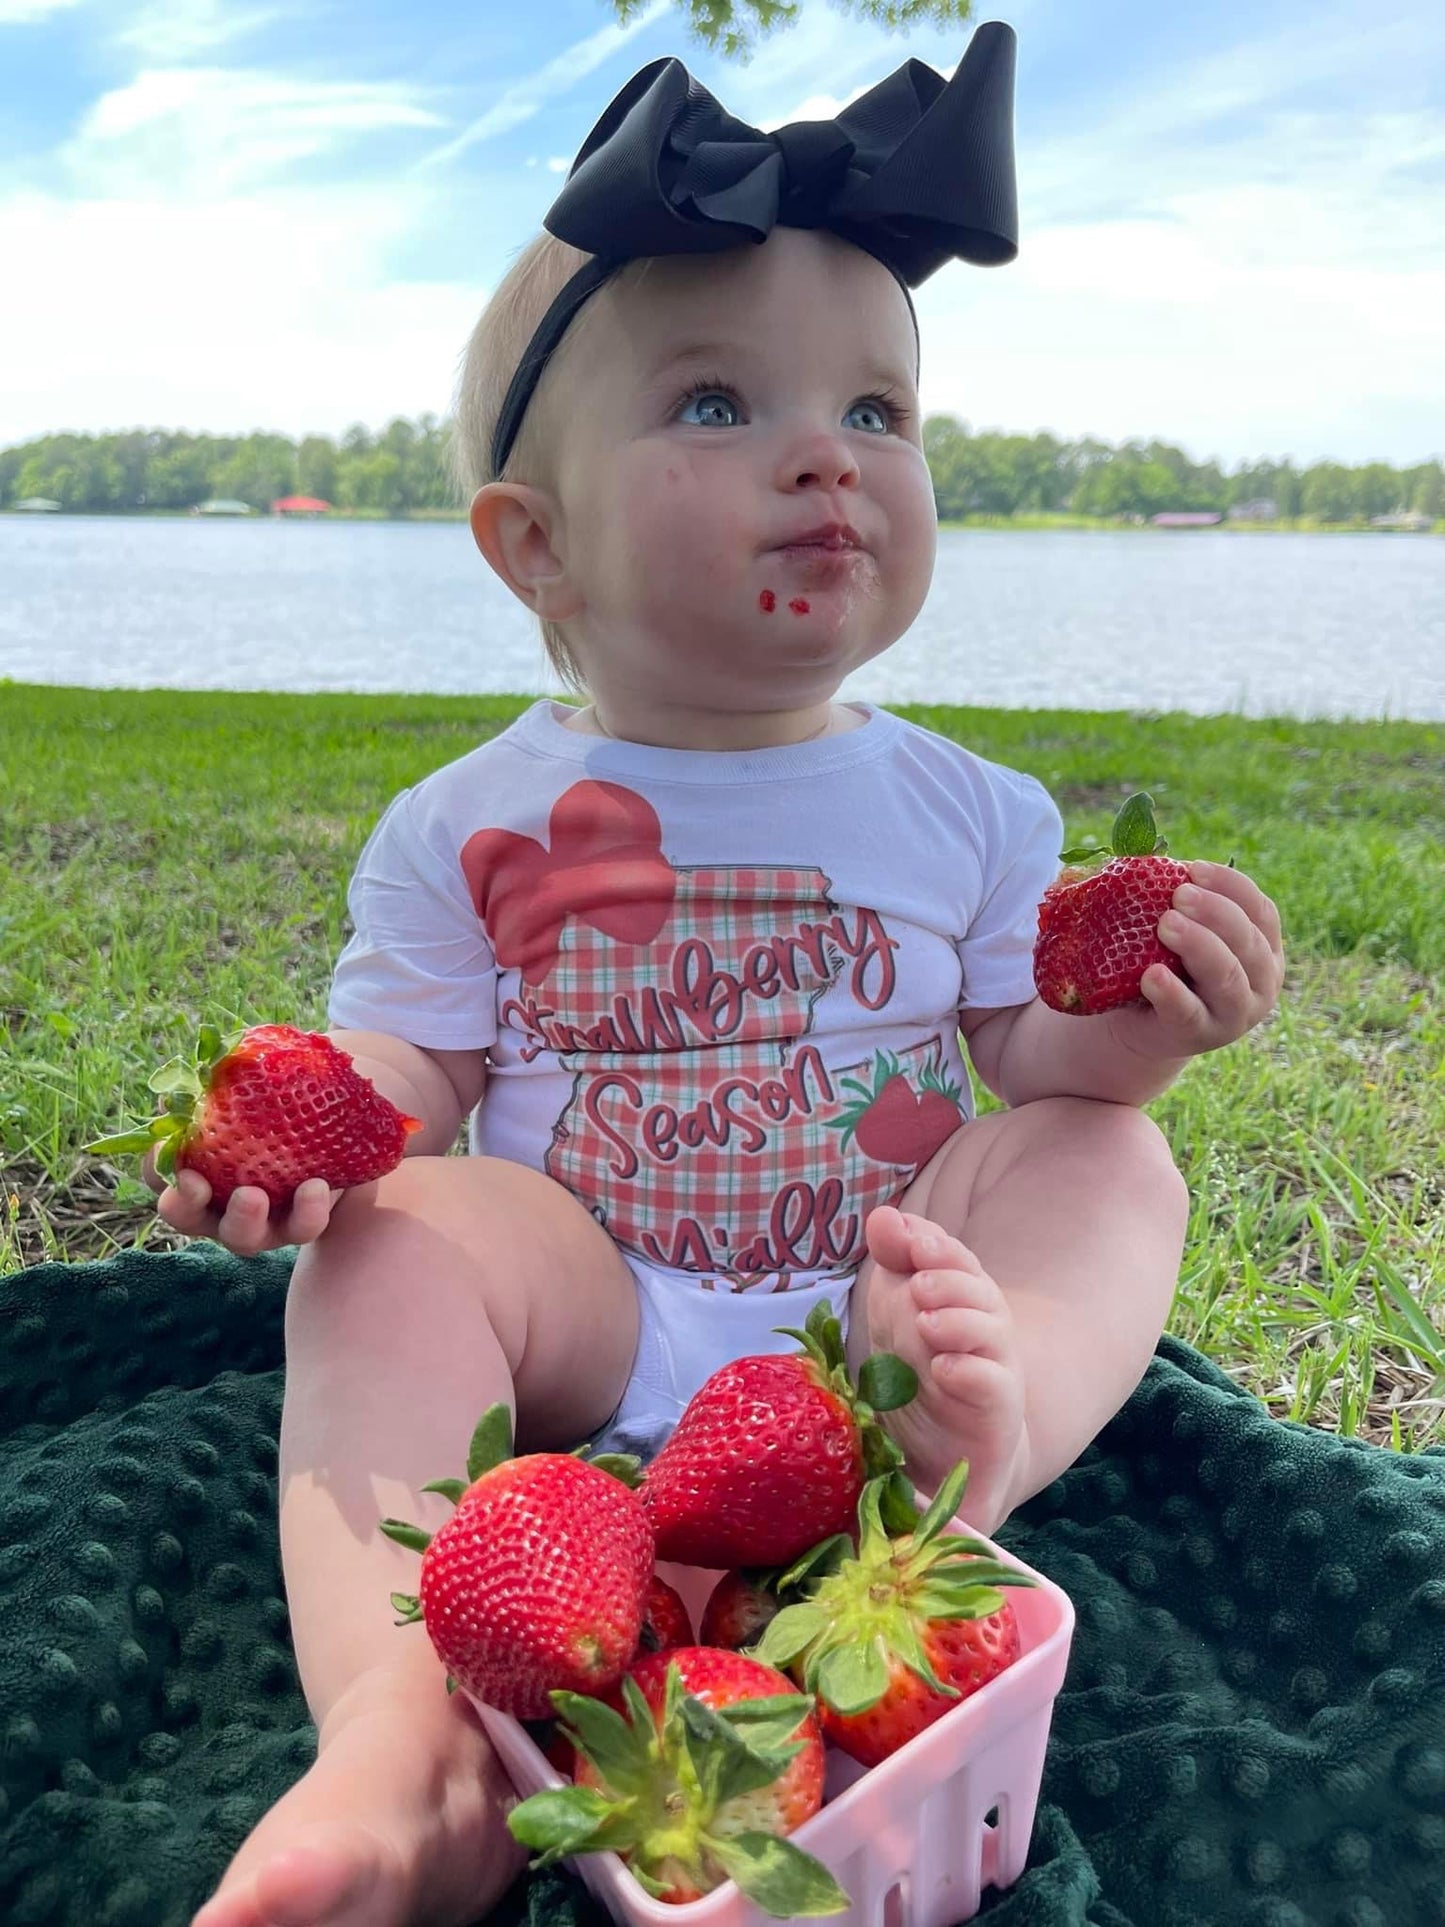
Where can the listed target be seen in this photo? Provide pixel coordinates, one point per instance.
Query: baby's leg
(452, 1284)
(1027, 1276)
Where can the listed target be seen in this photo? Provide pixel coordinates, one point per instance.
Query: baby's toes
(933, 1248)
(954, 1288)
(963, 1331)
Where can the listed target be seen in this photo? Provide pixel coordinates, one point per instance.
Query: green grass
(174, 855)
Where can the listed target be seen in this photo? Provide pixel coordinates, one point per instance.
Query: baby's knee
(1149, 1161)
(1125, 1141)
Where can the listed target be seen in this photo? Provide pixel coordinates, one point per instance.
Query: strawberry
(707, 1761)
(738, 1608)
(891, 1122)
(665, 1621)
(269, 1106)
(743, 1602)
(665, 1624)
(539, 1580)
(1099, 928)
(772, 1451)
(890, 1640)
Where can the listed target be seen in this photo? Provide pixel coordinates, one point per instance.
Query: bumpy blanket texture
(1252, 1731)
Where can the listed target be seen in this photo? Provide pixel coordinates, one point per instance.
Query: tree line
(404, 470)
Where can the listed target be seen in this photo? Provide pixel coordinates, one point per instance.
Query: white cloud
(1211, 262)
(1258, 313)
(192, 132)
(267, 311)
(22, 13)
(526, 96)
(167, 30)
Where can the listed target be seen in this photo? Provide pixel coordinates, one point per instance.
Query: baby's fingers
(184, 1202)
(310, 1213)
(246, 1225)
(1261, 910)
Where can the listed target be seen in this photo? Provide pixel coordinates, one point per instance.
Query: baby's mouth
(830, 538)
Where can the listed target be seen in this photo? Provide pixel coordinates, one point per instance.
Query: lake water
(1258, 624)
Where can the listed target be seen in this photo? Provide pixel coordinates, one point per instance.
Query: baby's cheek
(694, 547)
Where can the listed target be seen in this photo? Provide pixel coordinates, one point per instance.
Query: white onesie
(718, 992)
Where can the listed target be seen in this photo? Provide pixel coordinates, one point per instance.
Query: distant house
(222, 505)
(300, 505)
(38, 505)
(1187, 519)
(1409, 519)
(1266, 509)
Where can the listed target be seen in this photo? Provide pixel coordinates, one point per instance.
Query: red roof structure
(300, 505)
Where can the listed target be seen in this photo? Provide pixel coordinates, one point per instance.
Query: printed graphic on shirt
(706, 1125)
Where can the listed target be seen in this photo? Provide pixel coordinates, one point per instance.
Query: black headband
(916, 172)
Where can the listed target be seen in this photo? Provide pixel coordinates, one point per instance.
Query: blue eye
(709, 401)
(875, 407)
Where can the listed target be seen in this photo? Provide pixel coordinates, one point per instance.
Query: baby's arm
(1225, 931)
(441, 1087)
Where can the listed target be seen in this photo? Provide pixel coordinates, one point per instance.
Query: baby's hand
(1226, 932)
(244, 1226)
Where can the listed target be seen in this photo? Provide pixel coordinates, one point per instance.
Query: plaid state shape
(751, 1164)
(743, 956)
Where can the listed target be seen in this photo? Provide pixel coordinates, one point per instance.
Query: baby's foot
(931, 1302)
(400, 1823)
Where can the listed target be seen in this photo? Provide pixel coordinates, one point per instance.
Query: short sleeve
(997, 949)
(418, 965)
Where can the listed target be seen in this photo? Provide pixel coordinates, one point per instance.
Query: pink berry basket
(910, 1841)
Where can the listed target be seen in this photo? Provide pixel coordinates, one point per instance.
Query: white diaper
(687, 1331)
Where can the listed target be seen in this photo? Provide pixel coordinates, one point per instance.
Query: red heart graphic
(605, 867)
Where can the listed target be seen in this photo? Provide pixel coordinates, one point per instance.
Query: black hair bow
(917, 171)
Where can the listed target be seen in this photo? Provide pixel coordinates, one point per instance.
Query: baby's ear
(512, 526)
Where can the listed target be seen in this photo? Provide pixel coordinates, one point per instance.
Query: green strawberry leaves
(140, 1139)
(867, 1613)
(491, 1442)
(1134, 833)
(725, 1763)
(414, 1538)
(789, 1633)
(668, 1782)
(885, 1382)
(946, 1502)
(623, 1751)
(853, 1678)
(779, 1877)
(561, 1820)
(181, 1081)
(625, 1466)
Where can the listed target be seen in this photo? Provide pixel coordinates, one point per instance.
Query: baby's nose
(819, 460)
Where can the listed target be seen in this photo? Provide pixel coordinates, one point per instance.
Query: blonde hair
(496, 345)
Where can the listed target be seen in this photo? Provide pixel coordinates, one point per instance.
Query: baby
(699, 963)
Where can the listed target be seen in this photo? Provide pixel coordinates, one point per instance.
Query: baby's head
(700, 413)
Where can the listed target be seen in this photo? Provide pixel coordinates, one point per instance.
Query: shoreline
(1030, 524)
(453, 709)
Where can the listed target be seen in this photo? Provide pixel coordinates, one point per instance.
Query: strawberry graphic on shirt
(895, 1124)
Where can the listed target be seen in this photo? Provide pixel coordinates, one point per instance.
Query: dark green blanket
(1252, 1732)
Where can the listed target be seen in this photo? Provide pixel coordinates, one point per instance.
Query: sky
(227, 215)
